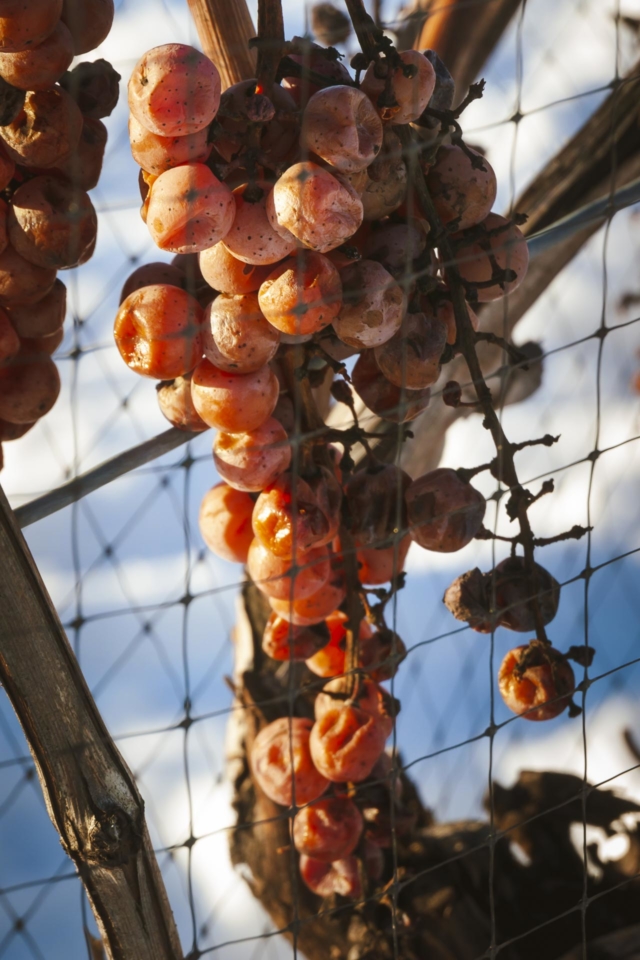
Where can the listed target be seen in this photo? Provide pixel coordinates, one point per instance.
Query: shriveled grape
(461, 192)
(373, 305)
(284, 579)
(282, 764)
(382, 397)
(157, 331)
(411, 358)
(189, 209)
(226, 273)
(251, 238)
(234, 402)
(155, 153)
(502, 240)
(174, 90)
(253, 460)
(225, 522)
(319, 208)
(411, 94)
(236, 336)
(444, 511)
(302, 295)
(342, 126)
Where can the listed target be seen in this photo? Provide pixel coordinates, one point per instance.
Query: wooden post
(90, 793)
(225, 28)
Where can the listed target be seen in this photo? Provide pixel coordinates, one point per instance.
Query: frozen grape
(240, 105)
(95, 87)
(319, 208)
(227, 274)
(252, 461)
(46, 131)
(315, 608)
(174, 90)
(22, 282)
(346, 742)
(373, 305)
(189, 209)
(461, 193)
(157, 331)
(329, 661)
(375, 503)
(84, 166)
(29, 387)
(282, 640)
(328, 829)
(410, 94)
(314, 58)
(24, 25)
(368, 697)
(302, 295)
(176, 404)
(282, 765)
(13, 431)
(225, 522)
(382, 397)
(325, 879)
(236, 336)
(234, 402)
(386, 183)
(506, 244)
(283, 579)
(396, 246)
(411, 358)
(155, 153)
(536, 681)
(523, 595)
(89, 22)
(341, 125)
(287, 517)
(151, 273)
(44, 318)
(444, 512)
(378, 565)
(251, 238)
(40, 66)
(52, 223)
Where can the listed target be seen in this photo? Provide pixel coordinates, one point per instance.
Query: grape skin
(236, 336)
(251, 238)
(251, 461)
(412, 94)
(174, 90)
(233, 402)
(302, 295)
(319, 208)
(189, 209)
(341, 125)
(225, 522)
(373, 305)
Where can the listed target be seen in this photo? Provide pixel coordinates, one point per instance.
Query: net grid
(19, 922)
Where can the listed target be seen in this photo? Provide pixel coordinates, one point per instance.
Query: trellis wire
(19, 934)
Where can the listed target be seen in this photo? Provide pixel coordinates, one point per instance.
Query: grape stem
(466, 343)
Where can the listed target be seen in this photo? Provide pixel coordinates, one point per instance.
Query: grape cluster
(299, 242)
(52, 143)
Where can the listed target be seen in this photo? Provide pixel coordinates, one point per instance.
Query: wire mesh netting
(150, 612)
